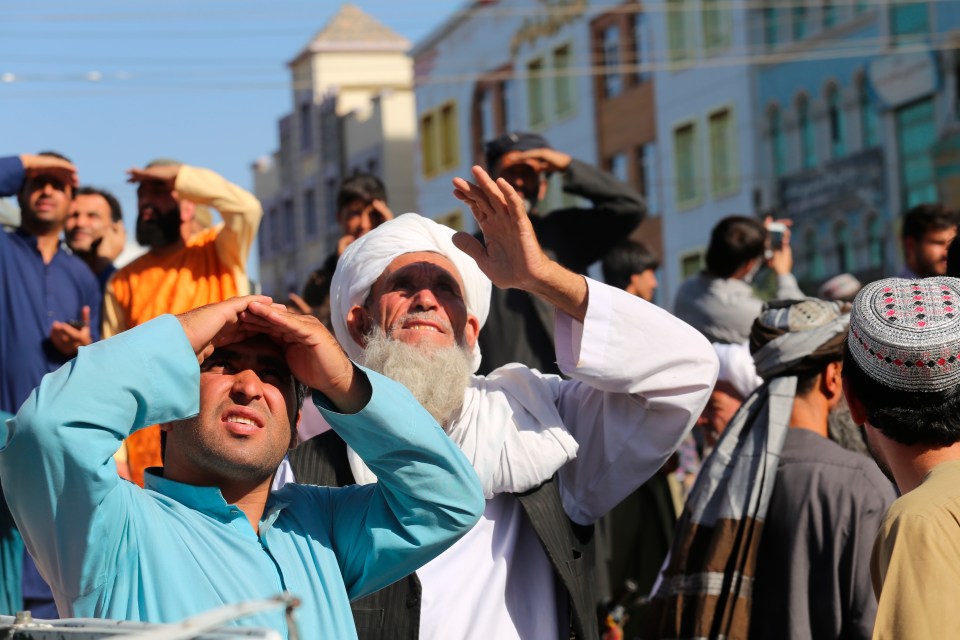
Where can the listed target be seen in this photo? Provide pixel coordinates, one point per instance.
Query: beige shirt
(916, 560)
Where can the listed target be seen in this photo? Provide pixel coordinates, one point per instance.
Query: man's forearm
(563, 289)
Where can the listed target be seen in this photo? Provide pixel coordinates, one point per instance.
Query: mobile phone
(76, 324)
(776, 231)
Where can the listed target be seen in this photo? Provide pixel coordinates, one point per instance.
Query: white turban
(737, 368)
(367, 258)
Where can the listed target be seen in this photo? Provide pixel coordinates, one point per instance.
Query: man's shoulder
(937, 498)
(840, 470)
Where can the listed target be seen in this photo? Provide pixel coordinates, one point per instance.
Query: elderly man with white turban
(409, 299)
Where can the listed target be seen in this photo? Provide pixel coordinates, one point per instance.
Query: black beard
(162, 230)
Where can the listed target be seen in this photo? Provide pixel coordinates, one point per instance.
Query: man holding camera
(520, 327)
(719, 301)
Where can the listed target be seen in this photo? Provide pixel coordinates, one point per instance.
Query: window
(536, 101)
(276, 230)
(691, 264)
(306, 128)
(799, 27)
(310, 211)
(835, 116)
(640, 48)
(808, 151)
(876, 245)
(439, 144)
(916, 133)
(289, 224)
(677, 30)
(428, 144)
(829, 13)
(330, 188)
(646, 181)
(869, 120)
(562, 82)
(908, 19)
(617, 165)
(610, 46)
(684, 142)
(770, 26)
(723, 159)
(506, 102)
(448, 136)
(859, 6)
(715, 15)
(778, 149)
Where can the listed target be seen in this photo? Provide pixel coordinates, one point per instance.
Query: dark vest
(394, 612)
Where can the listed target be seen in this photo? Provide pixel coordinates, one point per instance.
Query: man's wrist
(350, 394)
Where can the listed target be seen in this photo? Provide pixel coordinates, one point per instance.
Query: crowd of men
(464, 436)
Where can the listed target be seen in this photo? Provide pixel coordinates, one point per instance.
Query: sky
(115, 83)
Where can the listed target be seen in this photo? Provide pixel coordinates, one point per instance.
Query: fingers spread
(469, 245)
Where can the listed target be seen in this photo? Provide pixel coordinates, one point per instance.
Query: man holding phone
(720, 301)
(49, 306)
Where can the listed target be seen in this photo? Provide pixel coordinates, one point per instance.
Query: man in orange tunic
(187, 265)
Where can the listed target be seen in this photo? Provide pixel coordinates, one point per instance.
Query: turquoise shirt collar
(208, 500)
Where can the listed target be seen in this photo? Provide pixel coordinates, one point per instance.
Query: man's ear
(187, 210)
(831, 379)
(857, 411)
(471, 331)
(358, 324)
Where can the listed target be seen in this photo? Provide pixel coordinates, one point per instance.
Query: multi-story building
(568, 70)
(353, 112)
(705, 119)
(855, 105)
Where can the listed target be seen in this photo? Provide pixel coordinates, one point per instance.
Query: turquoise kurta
(110, 549)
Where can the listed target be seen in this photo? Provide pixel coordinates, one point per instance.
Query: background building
(539, 63)
(850, 144)
(353, 112)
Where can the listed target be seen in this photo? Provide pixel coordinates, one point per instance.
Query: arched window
(869, 120)
(837, 129)
(808, 152)
(778, 149)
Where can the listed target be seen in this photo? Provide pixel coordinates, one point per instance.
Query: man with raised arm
(49, 306)
(187, 266)
(225, 382)
(553, 455)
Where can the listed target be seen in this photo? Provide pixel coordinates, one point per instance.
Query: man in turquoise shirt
(206, 531)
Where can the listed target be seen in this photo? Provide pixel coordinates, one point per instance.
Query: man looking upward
(183, 269)
(225, 382)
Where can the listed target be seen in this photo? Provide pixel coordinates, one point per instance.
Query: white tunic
(639, 379)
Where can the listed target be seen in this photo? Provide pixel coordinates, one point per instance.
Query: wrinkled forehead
(259, 348)
(425, 265)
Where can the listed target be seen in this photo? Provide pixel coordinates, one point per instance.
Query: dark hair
(927, 217)
(734, 241)
(116, 214)
(626, 259)
(908, 417)
(55, 154)
(362, 186)
(495, 149)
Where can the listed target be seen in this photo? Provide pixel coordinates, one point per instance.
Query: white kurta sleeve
(639, 379)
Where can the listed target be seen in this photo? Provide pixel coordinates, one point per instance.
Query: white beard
(436, 376)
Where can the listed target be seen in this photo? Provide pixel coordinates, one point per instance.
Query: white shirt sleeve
(640, 378)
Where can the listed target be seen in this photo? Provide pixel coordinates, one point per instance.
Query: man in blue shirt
(43, 289)
(207, 531)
